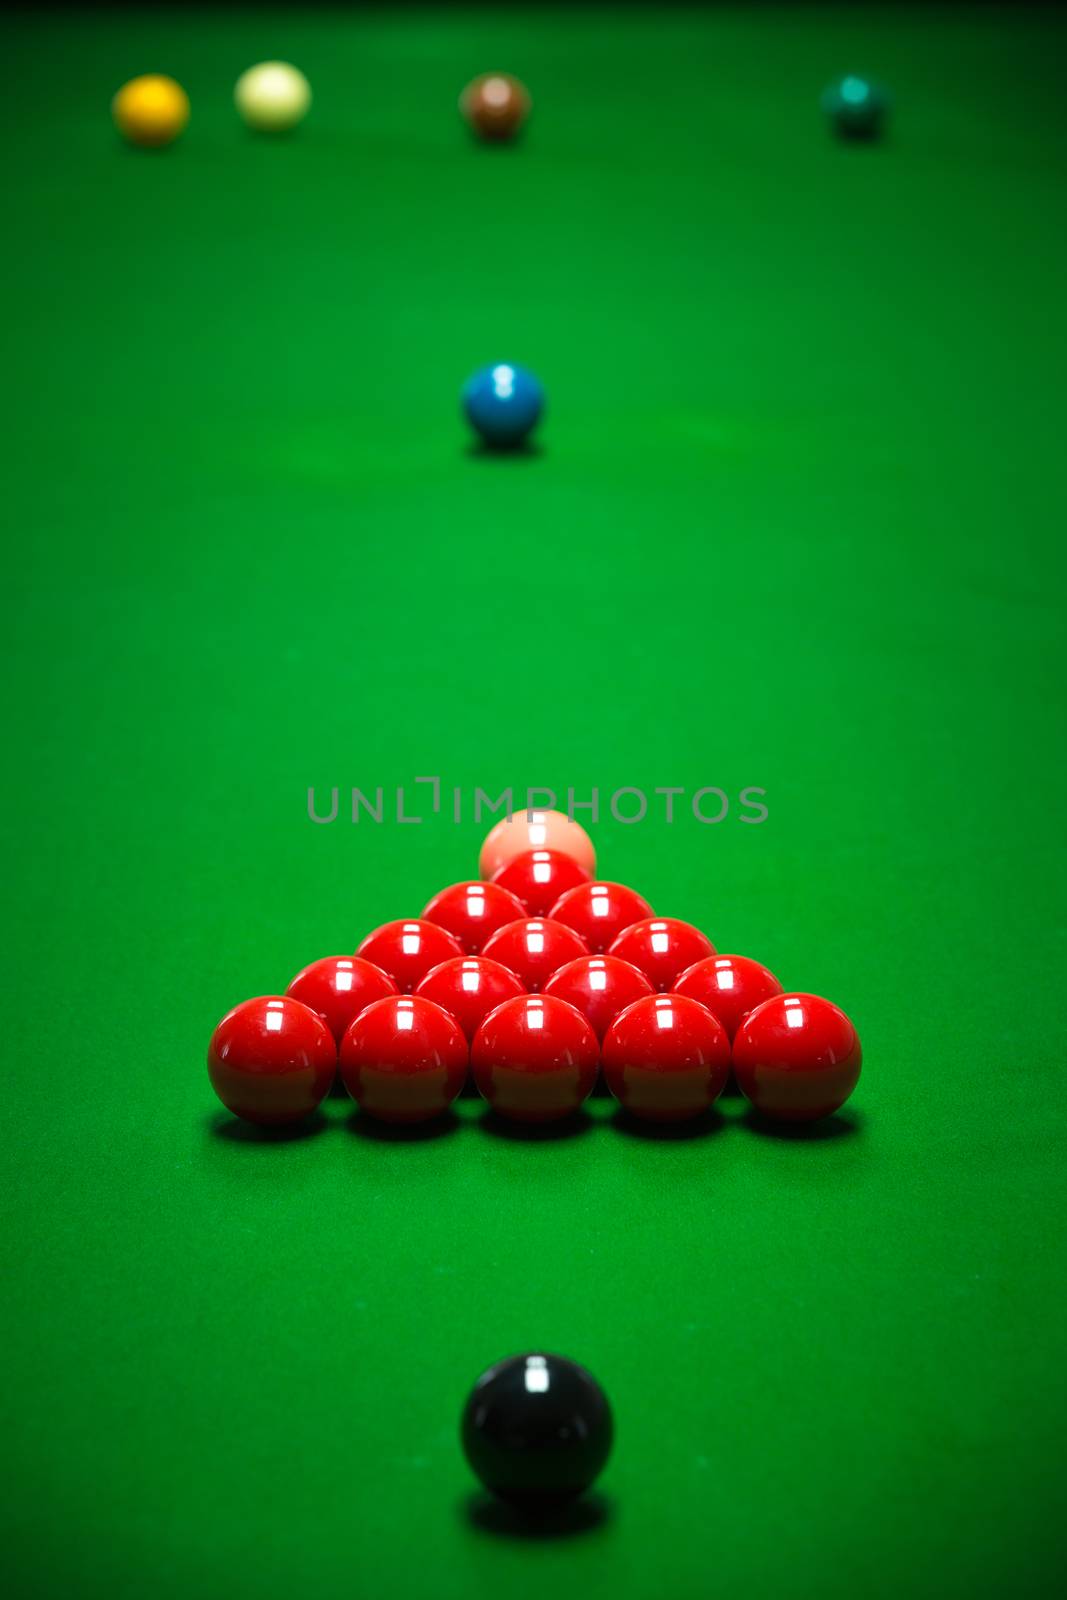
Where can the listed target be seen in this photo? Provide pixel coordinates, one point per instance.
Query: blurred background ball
(495, 106)
(151, 110)
(856, 107)
(272, 97)
(503, 403)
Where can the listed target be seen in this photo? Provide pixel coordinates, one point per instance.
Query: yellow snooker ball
(151, 110)
(273, 96)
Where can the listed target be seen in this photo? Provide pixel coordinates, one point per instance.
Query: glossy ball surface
(537, 1429)
(404, 1059)
(730, 987)
(600, 987)
(662, 947)
(666, 1058)
(468, 988)
(533, 948)
(272, 96)
(535, 1059)
(856, 107)
(271, 1060)
(407, 949)
(503, 404)
(535, 830)
(600, 911)
(539, 877)
(151, 110)
(338, 988)
(797, 1057)
(472, 911)
(495, 105)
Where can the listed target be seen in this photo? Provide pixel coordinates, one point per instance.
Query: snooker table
(794, 520)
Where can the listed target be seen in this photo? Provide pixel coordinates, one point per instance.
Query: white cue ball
(272, 96)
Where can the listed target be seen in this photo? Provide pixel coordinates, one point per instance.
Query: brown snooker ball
(495, 105)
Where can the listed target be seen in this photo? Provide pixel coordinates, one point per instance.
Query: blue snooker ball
(503, 403)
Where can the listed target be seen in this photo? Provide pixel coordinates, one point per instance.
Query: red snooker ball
(600, 911)
(406, 950)
(338, 987)
(730, 987)
(666, 1058)
(535, 1059)
(662, 947)
(404, 1059)
(600, 987)
(271, 1060)
(539, 877)
(472, 911)
(533, 948)
(797, 1057)
(468, 988)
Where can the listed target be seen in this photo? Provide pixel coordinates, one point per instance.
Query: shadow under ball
(537, 1430)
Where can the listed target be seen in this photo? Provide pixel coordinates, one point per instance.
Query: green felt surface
(797, 522)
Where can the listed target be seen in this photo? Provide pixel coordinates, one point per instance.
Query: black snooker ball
(537, 1430)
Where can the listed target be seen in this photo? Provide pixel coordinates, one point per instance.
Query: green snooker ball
(856, 107)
